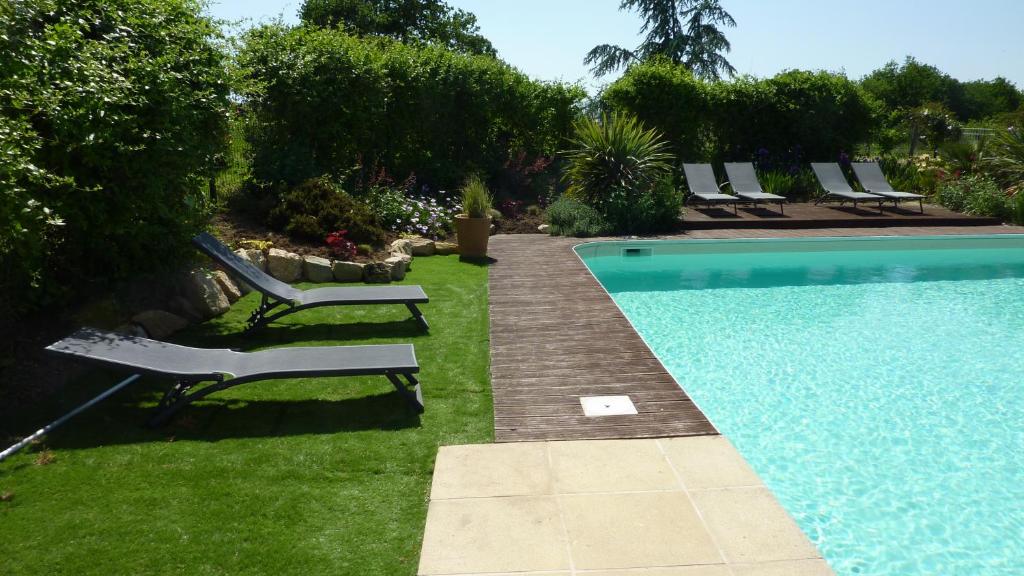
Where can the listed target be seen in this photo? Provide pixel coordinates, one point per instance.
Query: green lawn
(319, 476)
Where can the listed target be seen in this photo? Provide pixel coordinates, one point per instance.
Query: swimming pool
(875, 384)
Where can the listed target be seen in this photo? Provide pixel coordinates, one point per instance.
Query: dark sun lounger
(277, 293)
(874, 181)
(831, 178)
(700, 179)
(744, 183)
(191, 367)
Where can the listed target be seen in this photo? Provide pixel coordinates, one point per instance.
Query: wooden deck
(805, 215)
(556, 335)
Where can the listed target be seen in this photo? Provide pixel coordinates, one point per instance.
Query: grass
(317, 476)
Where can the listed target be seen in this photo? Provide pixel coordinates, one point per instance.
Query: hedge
(327, 102)
(796, 116)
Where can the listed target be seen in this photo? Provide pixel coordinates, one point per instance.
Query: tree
(912, 85)
(431, 21)
(686, 32)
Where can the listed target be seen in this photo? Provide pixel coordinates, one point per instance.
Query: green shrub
(112, 112)
(617, 166)
(975, 194)
(1017, 207)
(316, 208)
(331, 101)
(778, 182)
(569, 217)
(476, 199)
(1005, 158)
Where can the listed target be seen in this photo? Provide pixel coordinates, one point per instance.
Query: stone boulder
(159, 324)
(398, 267)
(445, 248)
(205, 295)
(317, 269)
(284, 266)
(228, 286)
(401, 246)
(422, 246)
(347, 271)
(181, 306)
(377, 273)
(256, 257)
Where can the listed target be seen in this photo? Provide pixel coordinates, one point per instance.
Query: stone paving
(686, 506)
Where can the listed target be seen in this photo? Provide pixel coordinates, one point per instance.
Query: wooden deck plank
(557, 336)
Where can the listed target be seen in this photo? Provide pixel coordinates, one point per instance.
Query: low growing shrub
(406, 212)
(976, 194)
(316, 208)
(569, 217)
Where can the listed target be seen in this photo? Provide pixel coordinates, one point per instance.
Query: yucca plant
(613, 162)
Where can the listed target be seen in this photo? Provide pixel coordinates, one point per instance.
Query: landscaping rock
(397, 265)
(422, 246)
(317, 269)
(401, 246)
(284, 266)
(182, 307)
(228, 286)
(159, 324)
(205, 295)
(256, 257)
(377, 273)
(445, 248)
(348, 271)
(543, 228)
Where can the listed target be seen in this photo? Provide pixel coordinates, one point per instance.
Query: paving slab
(608, 508)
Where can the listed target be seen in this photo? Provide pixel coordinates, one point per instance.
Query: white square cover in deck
(607, 405)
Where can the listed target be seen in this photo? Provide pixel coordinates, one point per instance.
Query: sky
(547, 39)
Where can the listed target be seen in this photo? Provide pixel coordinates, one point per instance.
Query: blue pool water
(876, 385)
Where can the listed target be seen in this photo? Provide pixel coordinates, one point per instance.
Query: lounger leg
(782, 207)
(411, 392)
(418, 315)
(258, 316)
(920, 204)
(171, 402)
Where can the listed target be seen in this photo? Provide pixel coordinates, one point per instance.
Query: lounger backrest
(700, 179)
(742, 177)
(831, 177)
(244, 269)
(144, 355)
(871, 177)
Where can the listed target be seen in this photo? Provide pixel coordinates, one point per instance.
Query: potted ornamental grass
(473, 226)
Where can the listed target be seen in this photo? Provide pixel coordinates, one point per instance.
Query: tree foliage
(432, 21)
(111, 110)
(904, 87)
(686, 32)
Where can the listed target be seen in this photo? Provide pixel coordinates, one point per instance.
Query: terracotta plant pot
(472, 234)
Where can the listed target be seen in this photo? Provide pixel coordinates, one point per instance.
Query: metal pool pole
(56, 423)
